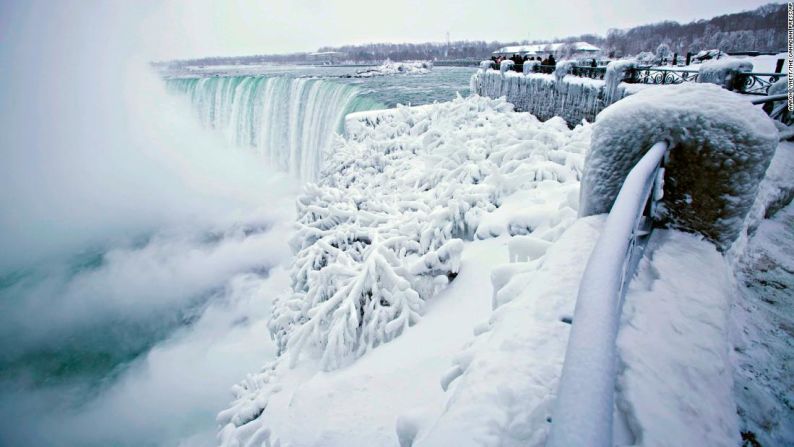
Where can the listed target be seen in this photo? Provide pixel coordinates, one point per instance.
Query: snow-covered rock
(723, 72)
(721, 146)
(391, 68)
(706, 55)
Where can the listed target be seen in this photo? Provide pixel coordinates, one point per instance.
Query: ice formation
(391, 68)
(723, 71)
(502, 384)
(720, 145)
(383, 230)
(615, 74)
(529, 66)
(414, 209)
(563, 68)
(545, 96)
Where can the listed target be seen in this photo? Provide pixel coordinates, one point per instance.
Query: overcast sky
(164, 29)
(235, 27)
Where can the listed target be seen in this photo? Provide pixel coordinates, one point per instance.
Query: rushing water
(134, 336)
(290, 118)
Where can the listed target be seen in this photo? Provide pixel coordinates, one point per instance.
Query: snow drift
(383, 232)
(721, 146)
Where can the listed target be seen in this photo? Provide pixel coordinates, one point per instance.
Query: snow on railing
(585, 401)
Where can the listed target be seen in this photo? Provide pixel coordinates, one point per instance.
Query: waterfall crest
(289, 121)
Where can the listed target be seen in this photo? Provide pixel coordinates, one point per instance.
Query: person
(593, 64)
(552, 62)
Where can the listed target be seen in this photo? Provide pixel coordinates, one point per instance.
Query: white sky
(235, 27)
(164, 29)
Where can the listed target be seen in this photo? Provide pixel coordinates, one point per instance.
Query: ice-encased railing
(572, 98)
(290, 121)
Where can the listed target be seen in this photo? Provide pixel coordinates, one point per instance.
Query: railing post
(688, 57)
(779, 66)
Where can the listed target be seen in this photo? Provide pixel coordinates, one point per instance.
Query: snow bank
(383, 232)
(675, 382)
(390, 68)
(723, 71)
(721, 146)
(762, 320)
(572, 98)
(502, 386)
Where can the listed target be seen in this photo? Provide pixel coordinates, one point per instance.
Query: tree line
(762, 29)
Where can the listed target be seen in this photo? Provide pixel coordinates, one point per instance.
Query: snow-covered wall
(545, 96)
(723, 72)
(721, 148)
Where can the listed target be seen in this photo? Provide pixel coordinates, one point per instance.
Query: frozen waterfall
(290, 121)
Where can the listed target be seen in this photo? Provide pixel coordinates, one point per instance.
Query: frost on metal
(721, 147)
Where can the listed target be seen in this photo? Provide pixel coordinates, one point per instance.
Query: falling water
(290, 121)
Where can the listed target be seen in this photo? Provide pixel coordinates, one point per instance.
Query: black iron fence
(748, 83)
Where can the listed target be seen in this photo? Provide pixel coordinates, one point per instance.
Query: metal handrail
(584, 408)
(660, 68)
(770, 98)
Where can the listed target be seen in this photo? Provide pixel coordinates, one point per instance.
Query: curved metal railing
(583, 413)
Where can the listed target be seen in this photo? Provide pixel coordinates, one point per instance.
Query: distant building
(327, 57)
(544, 49)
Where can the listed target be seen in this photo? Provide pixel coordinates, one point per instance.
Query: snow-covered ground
(435, 201)
(426, 178)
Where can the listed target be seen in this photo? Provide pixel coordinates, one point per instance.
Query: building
(327, 57)
(544, 49)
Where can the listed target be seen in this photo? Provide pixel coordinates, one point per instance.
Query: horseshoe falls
(289, 121)
(153, 239)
